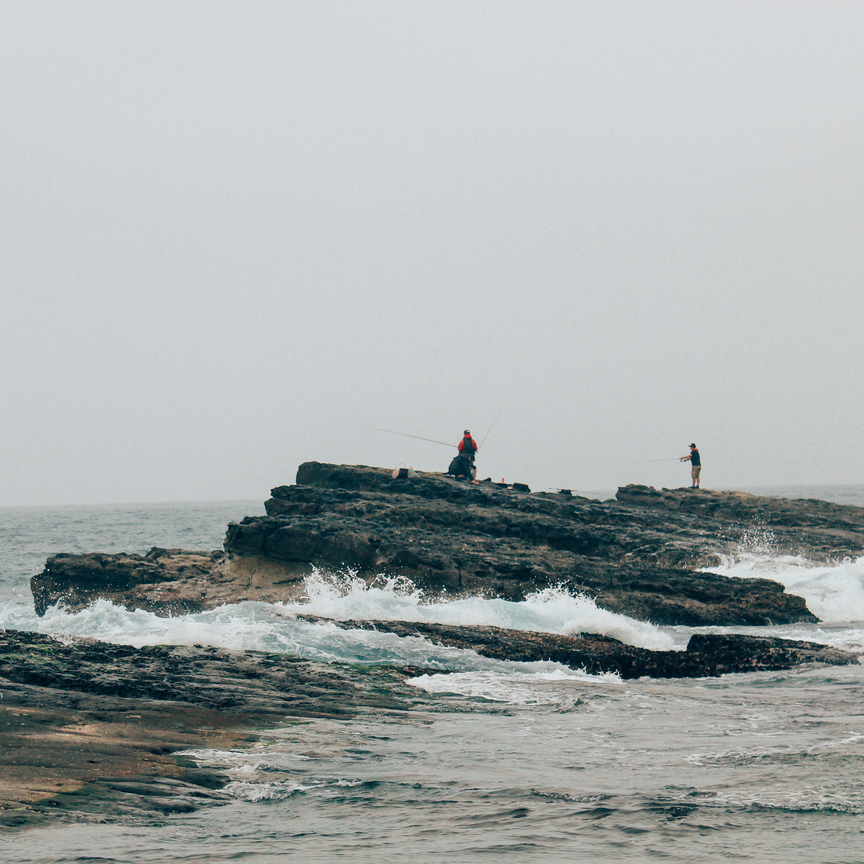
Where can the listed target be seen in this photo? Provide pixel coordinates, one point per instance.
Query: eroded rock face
(639, 555)
(819, 530)
(164, 581)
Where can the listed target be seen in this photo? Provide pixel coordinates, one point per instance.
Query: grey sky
(236, 233)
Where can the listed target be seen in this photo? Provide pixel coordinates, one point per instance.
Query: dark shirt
(694, 457)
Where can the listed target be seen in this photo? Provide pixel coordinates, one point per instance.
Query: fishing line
(406, 435)
(432, 440)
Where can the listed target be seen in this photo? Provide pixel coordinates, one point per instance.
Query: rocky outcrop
(447, 536)
(270, 686)
(639, 555)
(818, 530)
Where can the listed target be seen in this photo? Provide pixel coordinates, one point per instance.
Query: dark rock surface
(87, 728)
(819, 530)
(639, 555)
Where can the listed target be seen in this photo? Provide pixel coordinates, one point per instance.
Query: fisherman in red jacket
(467, 450)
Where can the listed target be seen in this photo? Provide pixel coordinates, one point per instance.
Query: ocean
(523, 762)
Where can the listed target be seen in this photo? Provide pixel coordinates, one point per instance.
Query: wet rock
(820, 530)
(91, 730)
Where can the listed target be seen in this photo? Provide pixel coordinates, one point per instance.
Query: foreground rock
(87, 729)
(639, 555)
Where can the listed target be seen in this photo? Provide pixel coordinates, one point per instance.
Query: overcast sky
(236, 234)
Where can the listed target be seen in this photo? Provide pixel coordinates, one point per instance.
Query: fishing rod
(490, 428)
(406, 435)
(642, 461)
(432, 440)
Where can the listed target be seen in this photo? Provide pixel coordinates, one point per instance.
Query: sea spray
(834, 592)
(552, 610)
(277, 627)
(516, 688)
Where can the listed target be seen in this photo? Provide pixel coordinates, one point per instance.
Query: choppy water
(568, 767)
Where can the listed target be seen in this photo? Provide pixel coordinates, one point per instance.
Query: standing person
(695, 466)
(467, 450)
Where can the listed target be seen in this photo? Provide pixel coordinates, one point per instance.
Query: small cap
(693, 445)
(468, 433)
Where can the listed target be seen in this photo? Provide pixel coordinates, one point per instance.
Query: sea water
(524, 762)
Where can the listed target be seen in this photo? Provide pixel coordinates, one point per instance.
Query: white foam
(834, 593)
(552, 610)
(274, 627)
(519, 688)
(253, 780)
(262, 627)
(278, 791)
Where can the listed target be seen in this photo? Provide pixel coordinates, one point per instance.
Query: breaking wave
(279, 627)
(834, 592)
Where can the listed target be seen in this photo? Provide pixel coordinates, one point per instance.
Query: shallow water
(524, 762)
